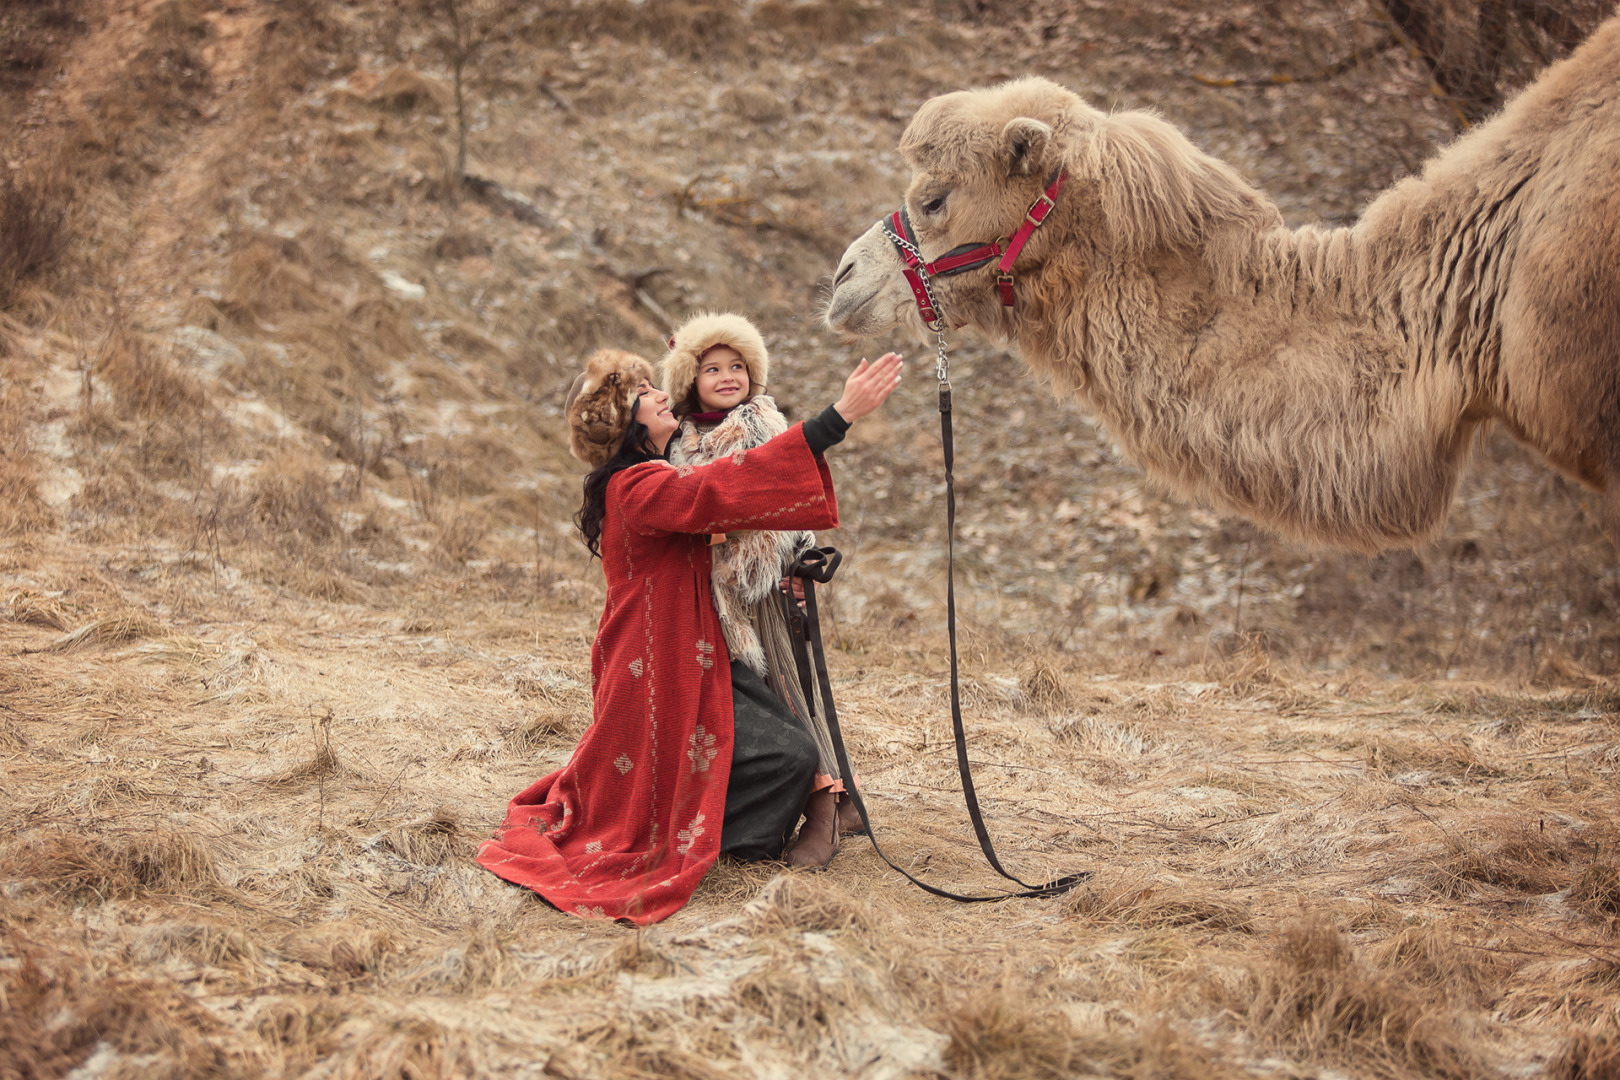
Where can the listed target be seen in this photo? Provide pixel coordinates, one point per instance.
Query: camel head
(1135, 190)
(979, 158)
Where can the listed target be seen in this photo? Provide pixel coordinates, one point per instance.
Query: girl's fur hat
(702, 332)
(602, 402)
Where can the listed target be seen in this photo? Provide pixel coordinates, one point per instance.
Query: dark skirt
(773, 769)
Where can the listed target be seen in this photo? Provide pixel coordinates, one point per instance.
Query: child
(715, 375)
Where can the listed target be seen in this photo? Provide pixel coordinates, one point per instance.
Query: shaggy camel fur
(1324, 382)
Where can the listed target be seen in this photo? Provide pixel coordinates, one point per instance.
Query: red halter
(968, 256)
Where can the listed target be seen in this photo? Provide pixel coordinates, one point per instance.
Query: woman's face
(652, 410)
(722, 378)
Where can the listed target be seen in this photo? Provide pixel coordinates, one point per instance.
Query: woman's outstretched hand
(868, 386)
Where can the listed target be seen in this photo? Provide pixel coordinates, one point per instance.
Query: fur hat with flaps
(602, 402)
(697, 335)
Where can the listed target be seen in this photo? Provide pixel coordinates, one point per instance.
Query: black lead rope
(1063, 884)
(818, 565)
(919, 273)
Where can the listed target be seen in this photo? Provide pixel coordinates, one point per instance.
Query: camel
(1324, 382)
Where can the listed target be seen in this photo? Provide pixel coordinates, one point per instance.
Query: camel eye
(935, 204)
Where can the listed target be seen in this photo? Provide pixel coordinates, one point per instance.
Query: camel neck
(1299, 397)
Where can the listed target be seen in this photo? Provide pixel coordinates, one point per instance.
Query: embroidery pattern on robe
(689, 835)
(700, 750)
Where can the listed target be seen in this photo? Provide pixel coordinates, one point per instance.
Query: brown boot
(817, 841)
(849, 818)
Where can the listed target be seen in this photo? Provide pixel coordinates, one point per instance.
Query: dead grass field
(241, 841)
(290, 604)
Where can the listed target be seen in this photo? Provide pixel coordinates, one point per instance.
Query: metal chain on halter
(942, 363)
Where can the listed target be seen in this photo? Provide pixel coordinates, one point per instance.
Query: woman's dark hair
(687, 405)
(632, 450)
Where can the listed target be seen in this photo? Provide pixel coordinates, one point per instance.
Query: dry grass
(290, 505)
(146, 385)
(621, 1049)
(290, 606)
(801, 902)
(54, 1022)
(1435, 959)
(701, 29)
(1315, 998)
(130, 626)
(1156, 904)
(272, 277)
(114, 867)
(33, 216)
(33, 38)
(1511, 854)
(548, 730)
(1598, 890)
(26, 606)
(1402, 758)
(406, 1048)
(994, 1038)
(333, 855)
(1589, 1056)
(169, 73)
(21, 509)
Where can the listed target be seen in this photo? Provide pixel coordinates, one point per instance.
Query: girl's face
(652, 409)
(722, 379)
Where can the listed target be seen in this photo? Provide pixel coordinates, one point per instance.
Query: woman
(663, 780)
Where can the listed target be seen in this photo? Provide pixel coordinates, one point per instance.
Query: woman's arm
(825, 431)
(867, 387)
(777, 485)
(782, 484)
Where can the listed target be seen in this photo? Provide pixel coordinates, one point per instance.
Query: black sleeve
(825, 431)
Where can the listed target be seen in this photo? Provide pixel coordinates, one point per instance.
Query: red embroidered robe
(630, 825)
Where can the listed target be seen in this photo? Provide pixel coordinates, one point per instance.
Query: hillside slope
(291, 601)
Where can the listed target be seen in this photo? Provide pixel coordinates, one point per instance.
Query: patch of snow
(59, 482)
(410, 290)
(266, 418)
(62, 386)
(57, 486)
(203, 348)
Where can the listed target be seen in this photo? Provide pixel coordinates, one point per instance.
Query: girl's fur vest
(750, 563)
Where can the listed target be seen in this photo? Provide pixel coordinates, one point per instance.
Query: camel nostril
(843, 272)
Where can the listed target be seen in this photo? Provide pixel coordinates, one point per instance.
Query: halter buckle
(1039, 209)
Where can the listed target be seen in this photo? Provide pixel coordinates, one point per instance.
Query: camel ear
(1023, 144)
